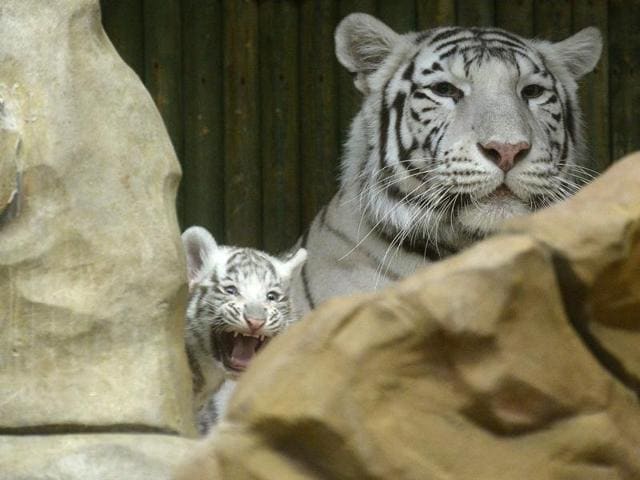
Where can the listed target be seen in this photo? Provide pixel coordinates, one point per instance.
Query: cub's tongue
(243, 350)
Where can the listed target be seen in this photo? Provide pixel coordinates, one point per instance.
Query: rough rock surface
(517, 359)
(92, 275)
(597, 256)
(92, 457)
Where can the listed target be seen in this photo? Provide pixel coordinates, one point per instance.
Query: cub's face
(243, 303)
(239, 298)
(465, 127)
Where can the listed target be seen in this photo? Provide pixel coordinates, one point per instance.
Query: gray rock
(92, 457)
(92, 275)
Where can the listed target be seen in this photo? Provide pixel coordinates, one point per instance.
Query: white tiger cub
(459, 130)
(239, 299)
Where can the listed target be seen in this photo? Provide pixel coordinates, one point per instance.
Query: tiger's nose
(505, 155)
(255, 316)
(254, 324)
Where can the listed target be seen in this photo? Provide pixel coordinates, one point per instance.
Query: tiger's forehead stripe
(479, 34)
(483, 42)
(243, 260)
(474, 54)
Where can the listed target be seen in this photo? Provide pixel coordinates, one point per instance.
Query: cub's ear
(580, 52)
(199, 246)
(363, 43)
(292, 265)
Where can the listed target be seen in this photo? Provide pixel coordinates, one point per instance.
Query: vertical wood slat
(203, 159)
(435, 13)
(594, 89)
(400, 15)
(515, 16)
(552, 19)
(124, 24)
(163, 68)
(349, 98)
(475, 13)
(319, 119)
(624, 78)
(278, 44)
(243, 180)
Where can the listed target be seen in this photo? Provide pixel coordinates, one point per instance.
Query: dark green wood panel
(515, 16)
(349, 98)
(319, 110)
(279, 113)
(594, 89)
(257, 106)
(435, 13)
(475, 13)
(243, 180)
(163, 67)
(624, 79)
(203, 158)
(123, 22)
(400, 15)
(552, 19)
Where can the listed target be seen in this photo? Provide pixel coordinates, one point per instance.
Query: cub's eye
(532, 91)
(446, 89)
(230, 289)
(273, 296)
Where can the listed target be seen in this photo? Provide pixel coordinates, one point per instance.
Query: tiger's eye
(231, 290)
(532, 91)
(273, 296)
(446, 89)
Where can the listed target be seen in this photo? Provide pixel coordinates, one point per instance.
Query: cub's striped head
(461, 128)
(239, 297)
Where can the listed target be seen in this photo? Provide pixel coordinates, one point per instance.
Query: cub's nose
(255, 316)
(504, 155)
(255, 324)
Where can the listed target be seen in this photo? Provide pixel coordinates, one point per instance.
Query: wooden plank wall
(258, 108)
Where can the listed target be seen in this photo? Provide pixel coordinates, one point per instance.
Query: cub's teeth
(262, 338)
(235, 334)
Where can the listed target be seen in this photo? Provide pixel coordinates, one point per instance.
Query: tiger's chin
(487, 215)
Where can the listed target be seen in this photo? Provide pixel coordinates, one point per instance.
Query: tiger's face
(464, 128)
(239, 298)
(242, 304)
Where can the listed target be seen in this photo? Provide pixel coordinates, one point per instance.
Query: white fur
(222, 397)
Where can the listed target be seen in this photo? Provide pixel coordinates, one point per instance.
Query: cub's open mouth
(239, 349)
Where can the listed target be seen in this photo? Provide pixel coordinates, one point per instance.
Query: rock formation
(517, 359)
(92, 276)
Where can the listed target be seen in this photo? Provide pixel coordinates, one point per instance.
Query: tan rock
(476, 368)
(597, 254)
(92, 276)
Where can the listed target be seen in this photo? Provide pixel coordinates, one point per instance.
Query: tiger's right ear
(199, 246)
(362, 45)
(292, 265)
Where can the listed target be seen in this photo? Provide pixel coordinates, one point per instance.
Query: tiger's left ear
(199, 246)
(579, 53)
(292, 265)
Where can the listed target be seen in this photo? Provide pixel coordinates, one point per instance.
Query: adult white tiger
(460, 129)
